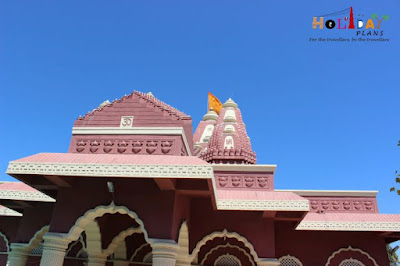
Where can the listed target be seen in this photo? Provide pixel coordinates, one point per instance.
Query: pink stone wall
(142, 196)
(33, 220)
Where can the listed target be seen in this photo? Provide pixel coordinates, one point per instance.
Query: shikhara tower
(136, 187)
(223, 139)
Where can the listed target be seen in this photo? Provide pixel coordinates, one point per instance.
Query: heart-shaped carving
(165, 150)
(107, 149)
(121, 150)
(150, 150)
(136, 150)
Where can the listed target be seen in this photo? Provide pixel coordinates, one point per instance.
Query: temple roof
(350, 222)
(15, 196)
(137, 123)
(110, 165)
(148, 99)
(112, 159)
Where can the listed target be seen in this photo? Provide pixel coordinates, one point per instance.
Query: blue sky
(326, 113)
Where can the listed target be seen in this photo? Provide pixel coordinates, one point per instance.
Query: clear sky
(327, 113)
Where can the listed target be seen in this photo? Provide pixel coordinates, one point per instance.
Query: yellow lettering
(319, 23)
(370, 24)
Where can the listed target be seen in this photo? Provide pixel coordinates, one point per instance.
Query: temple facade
(138, 187)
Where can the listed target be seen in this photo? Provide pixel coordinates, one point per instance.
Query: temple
(138, 187)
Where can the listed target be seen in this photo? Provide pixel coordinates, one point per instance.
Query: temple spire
(223, 138)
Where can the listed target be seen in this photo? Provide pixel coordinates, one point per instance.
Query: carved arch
(99, 211)
(223, 246)
(290, 259)
(37, 238)
(350, 249)
(220, 234)
(6, 241)
(93, 238)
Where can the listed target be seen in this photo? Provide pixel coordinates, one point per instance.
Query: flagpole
(208, 101)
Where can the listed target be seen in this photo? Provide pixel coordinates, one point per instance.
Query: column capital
(164, 246)
(19, 248)
(18, 255)
(268, 262)
(55, 241)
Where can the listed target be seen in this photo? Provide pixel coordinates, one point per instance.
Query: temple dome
(211, 115)
(230, 103)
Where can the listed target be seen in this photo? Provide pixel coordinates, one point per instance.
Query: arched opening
(351, 257)
(102, 232)
(216, 244)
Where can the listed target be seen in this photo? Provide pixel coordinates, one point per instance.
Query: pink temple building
(137, 187)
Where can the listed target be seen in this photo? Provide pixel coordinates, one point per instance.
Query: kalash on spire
(221, 137)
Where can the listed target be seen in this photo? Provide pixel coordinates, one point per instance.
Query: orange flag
(214, 103)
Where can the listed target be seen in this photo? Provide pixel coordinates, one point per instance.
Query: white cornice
(349, 226)
(9, 212)
(25, 196)
(332, 193)
(133, 131)
(245, 167)
(112, 170)
(263, 205)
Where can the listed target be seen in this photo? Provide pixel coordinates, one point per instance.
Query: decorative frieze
(264, 182)
(126, 146)
(263, 205)
(108, 170)
(24, 195)
(343, 205)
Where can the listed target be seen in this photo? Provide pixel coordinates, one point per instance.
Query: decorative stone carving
(122, 146)
(353, 252)
(80, 146)
(166, 146)
(94, 146)
(242, 181)
(340, 205)
(108, 146)
(249, 181)
(151, 147)
(126, 121)
(137, 146)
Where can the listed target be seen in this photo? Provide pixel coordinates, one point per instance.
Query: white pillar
(54, 248)
(164, 252)
(18, 255)
(268, 262)
(97, 260)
